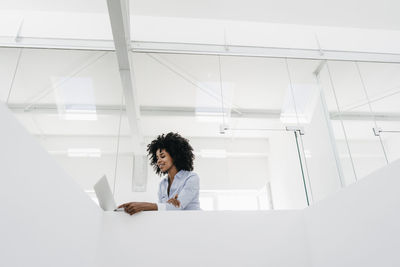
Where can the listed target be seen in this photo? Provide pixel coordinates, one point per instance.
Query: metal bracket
(321, 52)
(223, 128)
(226, 46)
(300, 130)
(17, 35)
(377, 131)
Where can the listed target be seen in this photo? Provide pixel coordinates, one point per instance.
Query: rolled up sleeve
(161, 206)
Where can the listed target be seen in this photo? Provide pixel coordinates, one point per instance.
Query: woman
(173, 155)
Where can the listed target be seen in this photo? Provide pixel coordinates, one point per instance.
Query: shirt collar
(178, 175)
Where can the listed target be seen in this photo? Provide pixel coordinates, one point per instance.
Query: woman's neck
(171, 173)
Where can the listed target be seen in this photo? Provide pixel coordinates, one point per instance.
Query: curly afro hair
(178, 148)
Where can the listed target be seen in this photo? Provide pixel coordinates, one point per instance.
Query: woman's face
(164, 160)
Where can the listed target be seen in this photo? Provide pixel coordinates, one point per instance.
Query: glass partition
(268, 133)
(382, 83)
(352, 118)
(238, 113)
(317, 145)
(8, 66)
(72, 102)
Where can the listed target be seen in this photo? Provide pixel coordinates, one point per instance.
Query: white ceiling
(86, 6)
(339, 13)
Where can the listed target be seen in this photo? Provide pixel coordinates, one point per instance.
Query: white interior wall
(392, 147)
(358, 226)
(46, 219)
(204, 238)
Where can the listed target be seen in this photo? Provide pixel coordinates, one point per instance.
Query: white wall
(199, 238)
(46, 219)
(359, 226)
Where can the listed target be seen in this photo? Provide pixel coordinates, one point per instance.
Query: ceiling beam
(57, 43)
(165, 111)
(120, 24)
(261, 51)
(199, 49)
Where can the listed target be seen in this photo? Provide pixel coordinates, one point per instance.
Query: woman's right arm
(188, 193)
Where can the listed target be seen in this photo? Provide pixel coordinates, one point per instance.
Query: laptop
(104, 195)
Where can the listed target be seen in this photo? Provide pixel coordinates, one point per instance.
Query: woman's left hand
(174, 201)
(135, 207)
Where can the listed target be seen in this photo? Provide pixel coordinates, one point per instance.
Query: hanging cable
(222, 94)
(118, 140)
(341, 121)
(292, 91)
(14, 74)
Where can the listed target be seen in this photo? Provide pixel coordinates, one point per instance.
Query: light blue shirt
(186, 185)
